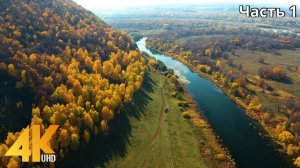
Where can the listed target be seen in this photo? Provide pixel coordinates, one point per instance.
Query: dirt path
(138, 156)
(163, 106)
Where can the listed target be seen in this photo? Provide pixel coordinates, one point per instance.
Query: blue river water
(231, 124)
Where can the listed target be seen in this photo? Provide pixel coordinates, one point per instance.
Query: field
(146, 136)
(288, 60)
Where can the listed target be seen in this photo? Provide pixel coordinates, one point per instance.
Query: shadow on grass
(103, 148)
(288, 80)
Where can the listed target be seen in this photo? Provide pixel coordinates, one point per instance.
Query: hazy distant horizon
(121, 4)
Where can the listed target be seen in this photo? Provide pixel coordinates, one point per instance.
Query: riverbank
(200, 123)
(210, 144)
(259, 125)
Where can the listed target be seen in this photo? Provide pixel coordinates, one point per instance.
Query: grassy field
(250, 68)
(145, 136)
(161, 139)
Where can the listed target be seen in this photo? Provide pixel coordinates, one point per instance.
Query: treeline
(194, 14)
(213, 41)
(81, 71)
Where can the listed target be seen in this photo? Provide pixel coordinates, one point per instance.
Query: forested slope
(80, 70)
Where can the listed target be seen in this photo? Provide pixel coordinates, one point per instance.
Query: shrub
(174, 94)
(220, 156)
(186, 115)
(275, 73)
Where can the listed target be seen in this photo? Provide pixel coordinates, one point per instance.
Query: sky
(117, 4)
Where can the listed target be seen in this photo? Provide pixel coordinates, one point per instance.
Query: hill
(72, 69)
(50, 26)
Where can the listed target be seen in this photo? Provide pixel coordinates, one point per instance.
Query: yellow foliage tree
(97, 66)
(3, 150)
(107, 68)
(11, 70)
(88, 120)
(292, 150)
(77, 88)
(86, 136)
(219, 64)
(10, 139)
(104, 126)
(286, 137)
(208, 52)
(64, 138)
(297, 162)
(107, 114)
(74, 142)
(32, 58)
(128, 93)
(88, 62)
(14, 162)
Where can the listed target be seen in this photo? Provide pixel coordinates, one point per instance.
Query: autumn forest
(79, 69)
(156, 86)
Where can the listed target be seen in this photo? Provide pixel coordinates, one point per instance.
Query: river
(231, 124)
